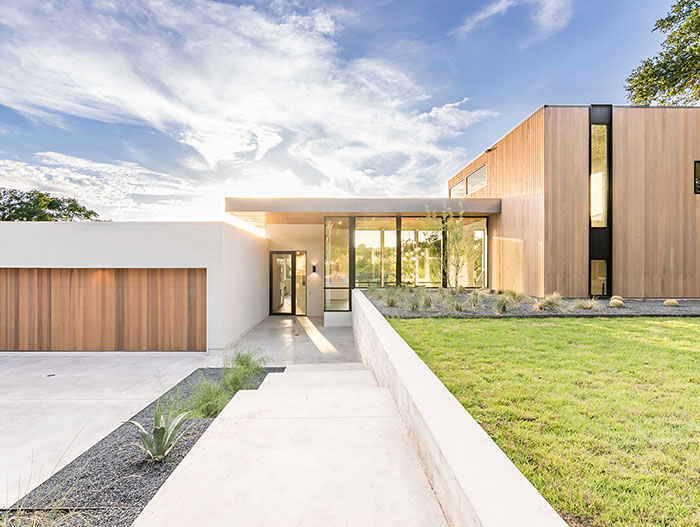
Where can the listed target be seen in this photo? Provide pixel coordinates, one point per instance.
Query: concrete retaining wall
(476, 483)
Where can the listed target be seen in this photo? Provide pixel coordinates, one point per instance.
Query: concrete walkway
(317, 445)
(301, 340)
(55, 405)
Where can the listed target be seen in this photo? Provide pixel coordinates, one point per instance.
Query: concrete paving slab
(277, 404)
(318, 380)
(339, 471)
(341, 366)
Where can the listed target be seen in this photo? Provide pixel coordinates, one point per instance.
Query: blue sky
(160, 111)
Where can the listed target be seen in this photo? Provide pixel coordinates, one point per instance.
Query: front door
(288, 282)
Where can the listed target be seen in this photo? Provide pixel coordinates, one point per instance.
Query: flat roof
(263, 211)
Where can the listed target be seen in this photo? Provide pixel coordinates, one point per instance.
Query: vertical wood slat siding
(102, 309)
(515, 174)
(656, 215)
(566, 200)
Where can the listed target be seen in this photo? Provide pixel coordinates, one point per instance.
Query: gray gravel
(109, 484)
(442, 307)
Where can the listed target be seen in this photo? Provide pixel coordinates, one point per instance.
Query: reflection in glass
(375, 252)
(421, 252)
(337, 256)
(476, 180)
(599, 278)
(337, 300)
(471, 247)
(459, 190)
(300, 291)
(281, 284)
(599, 175)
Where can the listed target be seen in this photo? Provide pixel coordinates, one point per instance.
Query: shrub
(588, 304)
(551, 302)
(416, 304)
(617, 297)
(616, 302)
(446, 294)
(393, 297)
(165, 434)
(671, 303)
(476, 298)
(503, 302)
(376, 293)
(515, 297)
(422, 295)
(456, 306)
(208, 398)
(241, 369)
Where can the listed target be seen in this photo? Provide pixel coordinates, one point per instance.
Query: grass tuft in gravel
(550, 302)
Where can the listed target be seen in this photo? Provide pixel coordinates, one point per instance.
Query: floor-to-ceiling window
(421, 252)
(470, 253)
(363, 252)
(375, 252)
(337, 264)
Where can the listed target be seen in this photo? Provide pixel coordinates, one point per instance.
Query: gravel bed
(110, 483)
(525, 309)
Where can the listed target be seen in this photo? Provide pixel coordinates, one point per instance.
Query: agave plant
(164, 434)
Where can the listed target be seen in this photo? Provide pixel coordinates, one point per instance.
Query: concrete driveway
(54, 406)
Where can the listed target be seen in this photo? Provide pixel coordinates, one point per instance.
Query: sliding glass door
(288, 282)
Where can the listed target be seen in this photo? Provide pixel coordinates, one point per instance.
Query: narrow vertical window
(697, 177)
(599, 175)
(599, 278)
(337, 264)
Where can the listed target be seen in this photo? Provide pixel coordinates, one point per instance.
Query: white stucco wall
(307, 238)
(236, 261)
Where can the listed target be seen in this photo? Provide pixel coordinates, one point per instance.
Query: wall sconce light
(313, 269)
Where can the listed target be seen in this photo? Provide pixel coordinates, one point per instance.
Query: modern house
(584, 200)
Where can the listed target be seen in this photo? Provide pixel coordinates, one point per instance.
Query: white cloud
(549, 16)
(497, 8)
(116, 191)
(253, 93)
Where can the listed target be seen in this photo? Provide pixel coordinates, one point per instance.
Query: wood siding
(515, 173)
(656, 215)
(566, 176)
(102, 309)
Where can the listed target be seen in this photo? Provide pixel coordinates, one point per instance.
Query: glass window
(375, 252)
(599, 175)
(697, 177)
(476, 180)
(337, 252)
(337, 300)
(466, 249)
(421, 252)
(599, 278)
(459, 190)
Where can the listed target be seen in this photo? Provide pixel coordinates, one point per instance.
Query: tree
(462, 246)
(17, 205)
(673, 76)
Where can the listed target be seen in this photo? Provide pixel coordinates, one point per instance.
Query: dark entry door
(288, 282)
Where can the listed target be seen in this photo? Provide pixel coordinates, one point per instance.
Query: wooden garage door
(103, 309)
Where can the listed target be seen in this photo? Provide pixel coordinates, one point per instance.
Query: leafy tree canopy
(673, 76)
(17, 205)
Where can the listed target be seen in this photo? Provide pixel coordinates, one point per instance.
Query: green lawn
(601, 415)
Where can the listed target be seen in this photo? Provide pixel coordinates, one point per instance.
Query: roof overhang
(265, 211)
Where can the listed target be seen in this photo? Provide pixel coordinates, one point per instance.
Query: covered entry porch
(369, 242)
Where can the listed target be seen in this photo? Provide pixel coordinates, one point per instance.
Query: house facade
(595, 200)
(584, 200)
